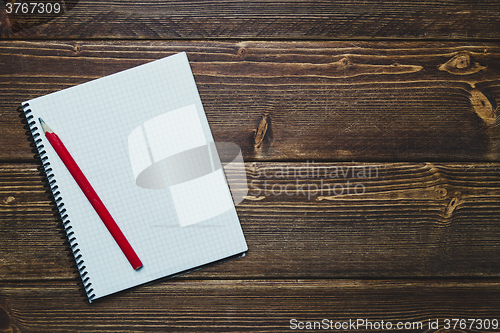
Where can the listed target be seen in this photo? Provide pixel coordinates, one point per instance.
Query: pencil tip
(45, 127)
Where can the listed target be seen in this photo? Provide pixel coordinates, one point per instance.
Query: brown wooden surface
(248, 305)
(376, 101)
(443, 216)
(314, 93)
(294, 19)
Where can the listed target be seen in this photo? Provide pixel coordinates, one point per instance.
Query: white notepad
(142, 139)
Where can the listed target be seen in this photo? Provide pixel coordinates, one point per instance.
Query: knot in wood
(462, 61)
(441, 192)
(261, 131)
(452, 205)
(8, 200)
(345, 62)
(482, 106)
(241, 53)
(461, 64)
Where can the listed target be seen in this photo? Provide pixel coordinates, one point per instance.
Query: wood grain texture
(410, 88)
(371, 101)
(344, 19)
(245, 306)
(301, 221)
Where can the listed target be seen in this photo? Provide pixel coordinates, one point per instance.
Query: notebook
(142, 139)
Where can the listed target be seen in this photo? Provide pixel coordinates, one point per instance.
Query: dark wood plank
(248, 306)
(376, 101)
(406, 220)
(403, 19)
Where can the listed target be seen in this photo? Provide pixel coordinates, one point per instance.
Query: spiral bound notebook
(142, 139)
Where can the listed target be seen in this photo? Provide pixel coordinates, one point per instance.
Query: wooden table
(392, 105)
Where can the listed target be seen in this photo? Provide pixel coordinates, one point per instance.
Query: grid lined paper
(95, 120)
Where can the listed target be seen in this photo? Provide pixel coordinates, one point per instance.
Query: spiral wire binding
(65, 223)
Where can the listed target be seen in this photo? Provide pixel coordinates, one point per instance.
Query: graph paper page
(127, 131)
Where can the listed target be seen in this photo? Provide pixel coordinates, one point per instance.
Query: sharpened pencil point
(45, 127)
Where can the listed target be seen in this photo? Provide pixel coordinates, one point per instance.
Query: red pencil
(91, 195)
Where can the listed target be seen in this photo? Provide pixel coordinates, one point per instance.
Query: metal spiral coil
(56, 198)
